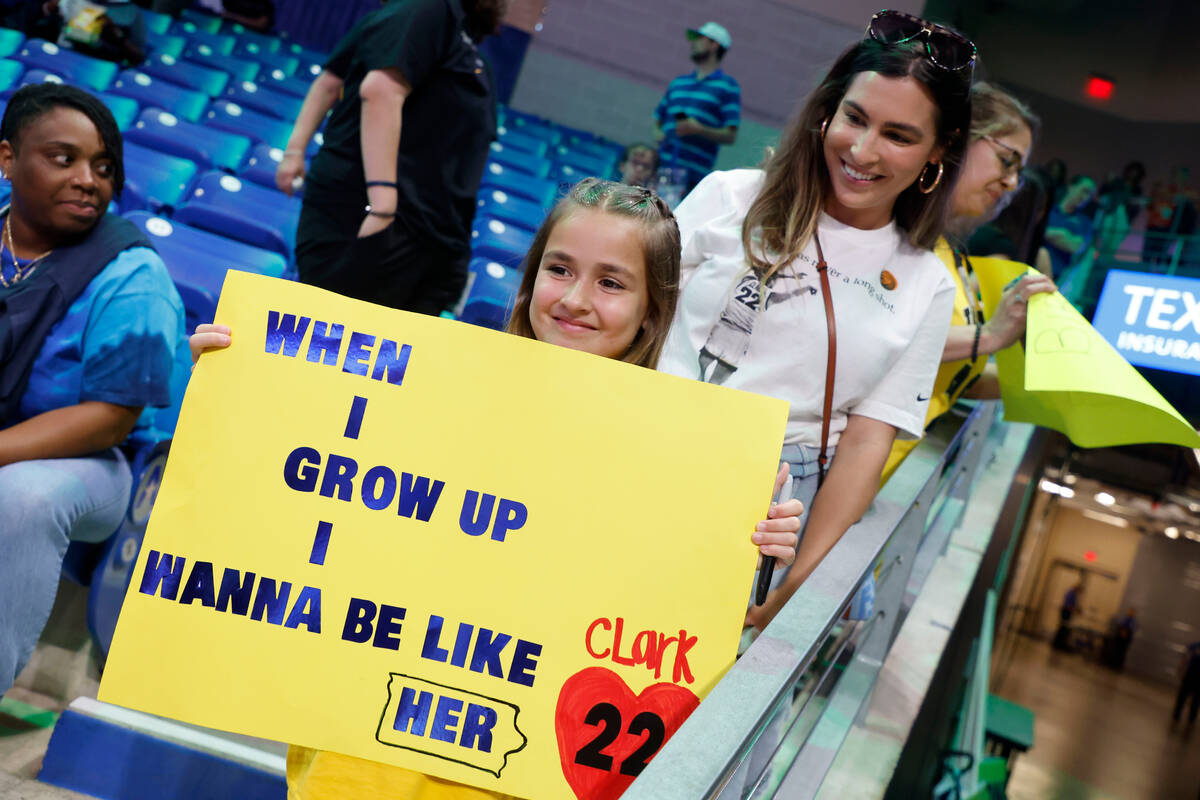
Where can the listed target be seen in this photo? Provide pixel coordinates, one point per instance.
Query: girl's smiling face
(590, 291)
(882, 135)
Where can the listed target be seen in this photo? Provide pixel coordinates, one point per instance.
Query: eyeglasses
(945, 48)
(1013, 162)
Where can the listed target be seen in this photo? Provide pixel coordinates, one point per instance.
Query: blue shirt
(715, 100)
(1078, 224)
(122, 341)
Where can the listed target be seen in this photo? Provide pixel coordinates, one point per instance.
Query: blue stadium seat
(515, 140)
(252, 51)
(239, 68)
(250, 95)
(208, 148)
(219, 43)
(32, 76)
(165, 44)
(10, 73)
(10, 41)
(598, 148)
(200, 258)
(543, 131)
(229, 116)
(244, 211)
(182, 73)
(496, 176)
(155, 22)
(285, 82)
(184, 103)
(599, 166)
(510, 209)
(89, 73)
(530, 164)
(494, 240)
(124, 109)
(261, 165)
(110, 577)
(491, 291)
(258, 42)
(311, 61)
(519, 118)
(154, 180)
(200, 20)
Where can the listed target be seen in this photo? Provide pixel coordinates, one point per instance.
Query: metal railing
(776, 722)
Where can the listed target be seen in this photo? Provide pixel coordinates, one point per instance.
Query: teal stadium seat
(521, 184)
(520, 160)
(84, 71)
(183, 73)
(239, 69)
(208, 148)
(124, 109)
(510, 209)
(497, 241)
(237, 209)
(10, 41)
(149, 91)
(165, 44)
(154, 180)
(281, 105)
(10, 74)
(220, 44)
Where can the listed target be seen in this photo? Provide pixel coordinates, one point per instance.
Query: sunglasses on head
(945, 48)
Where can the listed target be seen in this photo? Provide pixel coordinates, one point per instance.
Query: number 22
(592, 754)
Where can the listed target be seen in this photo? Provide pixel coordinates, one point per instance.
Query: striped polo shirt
(715, 100)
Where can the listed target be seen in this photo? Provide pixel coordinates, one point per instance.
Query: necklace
(19, 272)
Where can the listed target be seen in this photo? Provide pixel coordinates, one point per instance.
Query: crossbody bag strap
(830, 361)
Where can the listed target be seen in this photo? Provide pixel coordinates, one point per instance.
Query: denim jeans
(44, 506)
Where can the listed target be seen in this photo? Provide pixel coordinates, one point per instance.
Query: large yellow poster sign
(1068, 377)
(450, 549)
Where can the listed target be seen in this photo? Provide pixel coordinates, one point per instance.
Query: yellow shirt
(953, 377)
(317, 774)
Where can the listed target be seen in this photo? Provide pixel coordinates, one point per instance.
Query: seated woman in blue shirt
(90, 334)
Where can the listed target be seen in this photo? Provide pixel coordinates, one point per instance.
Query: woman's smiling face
(882, 135)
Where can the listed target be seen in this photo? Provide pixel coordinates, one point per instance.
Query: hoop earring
(824, 125)
(921, 179)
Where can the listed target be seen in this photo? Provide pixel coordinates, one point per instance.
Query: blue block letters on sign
(1152, 320)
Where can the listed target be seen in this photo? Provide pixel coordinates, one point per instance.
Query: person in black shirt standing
(390, 196)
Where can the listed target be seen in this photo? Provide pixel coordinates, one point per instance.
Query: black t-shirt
(448, 121)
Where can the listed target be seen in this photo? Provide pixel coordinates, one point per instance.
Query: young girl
(829, 248)
(600, 277)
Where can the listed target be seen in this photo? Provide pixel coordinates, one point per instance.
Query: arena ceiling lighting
(1105, 499)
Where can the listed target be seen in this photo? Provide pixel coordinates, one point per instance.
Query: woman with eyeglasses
(814, 279)
(999, 143)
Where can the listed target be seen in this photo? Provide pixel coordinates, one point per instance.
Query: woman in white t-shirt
(862, 178)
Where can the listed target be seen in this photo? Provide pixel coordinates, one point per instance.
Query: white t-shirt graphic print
(889, 341)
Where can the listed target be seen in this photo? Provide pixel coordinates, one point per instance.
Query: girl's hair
(995, 112)
(660, 247)
(36, 99)
(784, 215)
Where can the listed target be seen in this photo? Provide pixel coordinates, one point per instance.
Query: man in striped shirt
(700, 111)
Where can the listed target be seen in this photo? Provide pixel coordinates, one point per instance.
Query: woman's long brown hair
(784, 215)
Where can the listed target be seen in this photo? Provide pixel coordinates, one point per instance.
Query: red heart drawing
(606, 734)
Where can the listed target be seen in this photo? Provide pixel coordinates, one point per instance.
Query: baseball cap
(713, 31)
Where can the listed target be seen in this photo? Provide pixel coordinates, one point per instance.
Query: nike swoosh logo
(921, 399)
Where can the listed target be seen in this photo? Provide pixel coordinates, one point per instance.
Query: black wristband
(975, 347)
(385, 214)
(392, 184)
